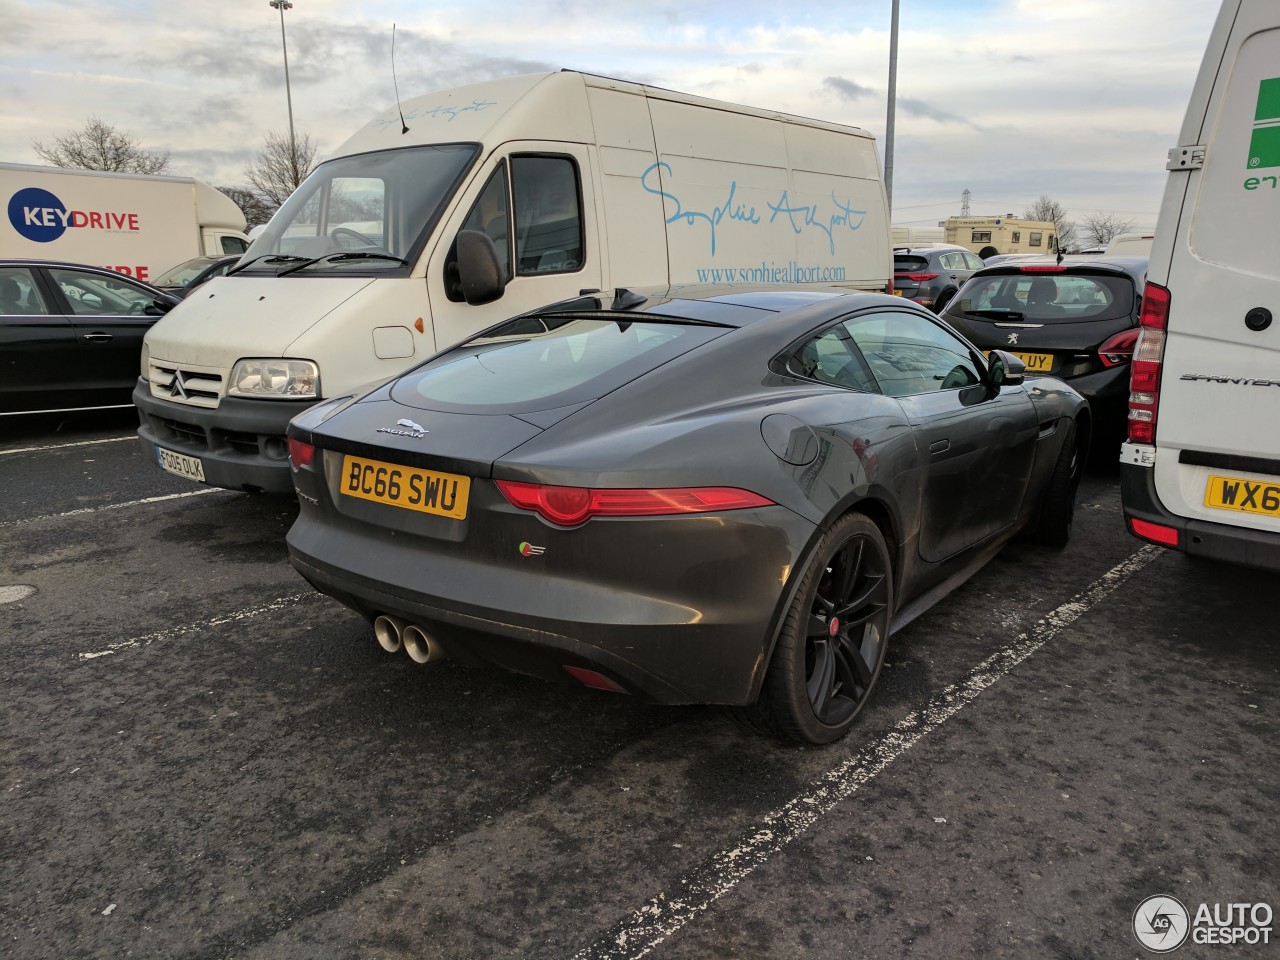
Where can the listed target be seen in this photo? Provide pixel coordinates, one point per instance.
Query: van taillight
(1148, 354)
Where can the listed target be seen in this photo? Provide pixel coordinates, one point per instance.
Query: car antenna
(624, 299)
(404, 127)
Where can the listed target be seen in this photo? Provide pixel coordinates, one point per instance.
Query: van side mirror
(1004, 369)
(479, 268)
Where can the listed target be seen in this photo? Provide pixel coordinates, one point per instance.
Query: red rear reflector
(1165, 536)
(300, 454)
(569, 506)
(589, 678)
(918, 277)
(1042, 269)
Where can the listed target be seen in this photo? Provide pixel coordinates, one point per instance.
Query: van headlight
(274, 378)
(146, 361)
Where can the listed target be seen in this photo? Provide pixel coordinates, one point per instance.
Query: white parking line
(694, 894)
(281, 603)
(114, 506)
(63, 446)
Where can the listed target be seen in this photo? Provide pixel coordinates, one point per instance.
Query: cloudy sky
(1012, 99)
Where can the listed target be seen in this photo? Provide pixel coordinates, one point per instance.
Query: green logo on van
(1264, 145)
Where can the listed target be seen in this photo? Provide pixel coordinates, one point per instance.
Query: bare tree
(1051, 211)
(100, 146)
(255, 209)
(1099, 229)
(280, 166)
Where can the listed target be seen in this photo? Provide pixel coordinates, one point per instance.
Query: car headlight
(146, 361)
(274, 378)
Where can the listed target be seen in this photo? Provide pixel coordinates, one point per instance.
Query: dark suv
(931, 275)
(1076, 320)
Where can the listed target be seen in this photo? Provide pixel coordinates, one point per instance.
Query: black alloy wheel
(832, 643)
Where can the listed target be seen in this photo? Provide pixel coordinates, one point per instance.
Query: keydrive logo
(41, 217)
(1264, 144)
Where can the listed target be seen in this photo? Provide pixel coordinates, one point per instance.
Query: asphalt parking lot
(204, 758)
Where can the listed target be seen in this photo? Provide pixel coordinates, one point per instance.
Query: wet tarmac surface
(204, 758)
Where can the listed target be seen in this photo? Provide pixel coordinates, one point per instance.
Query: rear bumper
(1200, 538)
(676, 610)
(241, 443)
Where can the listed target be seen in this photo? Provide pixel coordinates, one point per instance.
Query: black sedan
(189, 274)
(1077, 320)
(696, 497)
(71, 335)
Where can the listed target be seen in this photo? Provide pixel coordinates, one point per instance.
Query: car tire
(940, 304)
(1057, 510)
(832, 641)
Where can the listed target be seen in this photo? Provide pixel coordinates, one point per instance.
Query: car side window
(548, 221)
(952, 261)
(972, 262)
(91, 294)
(19, 295)
(909, 354)
(831, 357)
(233, 245)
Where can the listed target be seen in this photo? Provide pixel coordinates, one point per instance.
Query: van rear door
(1217, 435)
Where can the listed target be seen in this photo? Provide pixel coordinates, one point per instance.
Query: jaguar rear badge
(412, 430)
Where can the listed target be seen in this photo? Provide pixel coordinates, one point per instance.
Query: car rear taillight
(1118, 349)
(570, 506)
(1148, 354)
(300, 454)
(917, 277)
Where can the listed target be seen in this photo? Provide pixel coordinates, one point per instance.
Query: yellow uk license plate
(428, 491)
(1249, 496)
(1036, 362)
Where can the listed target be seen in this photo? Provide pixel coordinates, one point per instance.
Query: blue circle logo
(37, 214)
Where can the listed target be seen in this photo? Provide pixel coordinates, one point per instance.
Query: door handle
(939, 446)
(98, 337)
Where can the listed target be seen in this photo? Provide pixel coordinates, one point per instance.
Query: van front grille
(198, 388)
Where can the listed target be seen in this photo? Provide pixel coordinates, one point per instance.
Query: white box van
(1201, 470)
(132, 223)
(486, 201)
(1130, 245)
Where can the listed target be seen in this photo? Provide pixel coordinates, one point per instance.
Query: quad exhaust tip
(420, 645)
(392, 633)
(389, 632)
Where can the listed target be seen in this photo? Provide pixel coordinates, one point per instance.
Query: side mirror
(478, 268)
(1004, 369)
(161, 305)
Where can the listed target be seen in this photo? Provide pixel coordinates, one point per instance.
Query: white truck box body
(137, 224)
(672, 189)
(1215, 251)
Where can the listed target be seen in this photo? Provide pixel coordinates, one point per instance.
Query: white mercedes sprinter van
(1201, 470)
(486, 201)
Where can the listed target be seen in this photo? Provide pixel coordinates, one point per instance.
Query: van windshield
(368, 213)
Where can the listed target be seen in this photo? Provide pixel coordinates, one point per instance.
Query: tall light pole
(893, 97)
(282, 6)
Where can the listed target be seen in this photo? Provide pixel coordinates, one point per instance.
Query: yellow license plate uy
(411, 488)
(1036, 362)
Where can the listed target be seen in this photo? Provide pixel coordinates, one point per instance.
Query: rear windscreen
(1056, 297)
(537, 363)
(909, 264)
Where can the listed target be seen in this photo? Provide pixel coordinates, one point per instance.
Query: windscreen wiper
(269, 257)
(355, 255)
